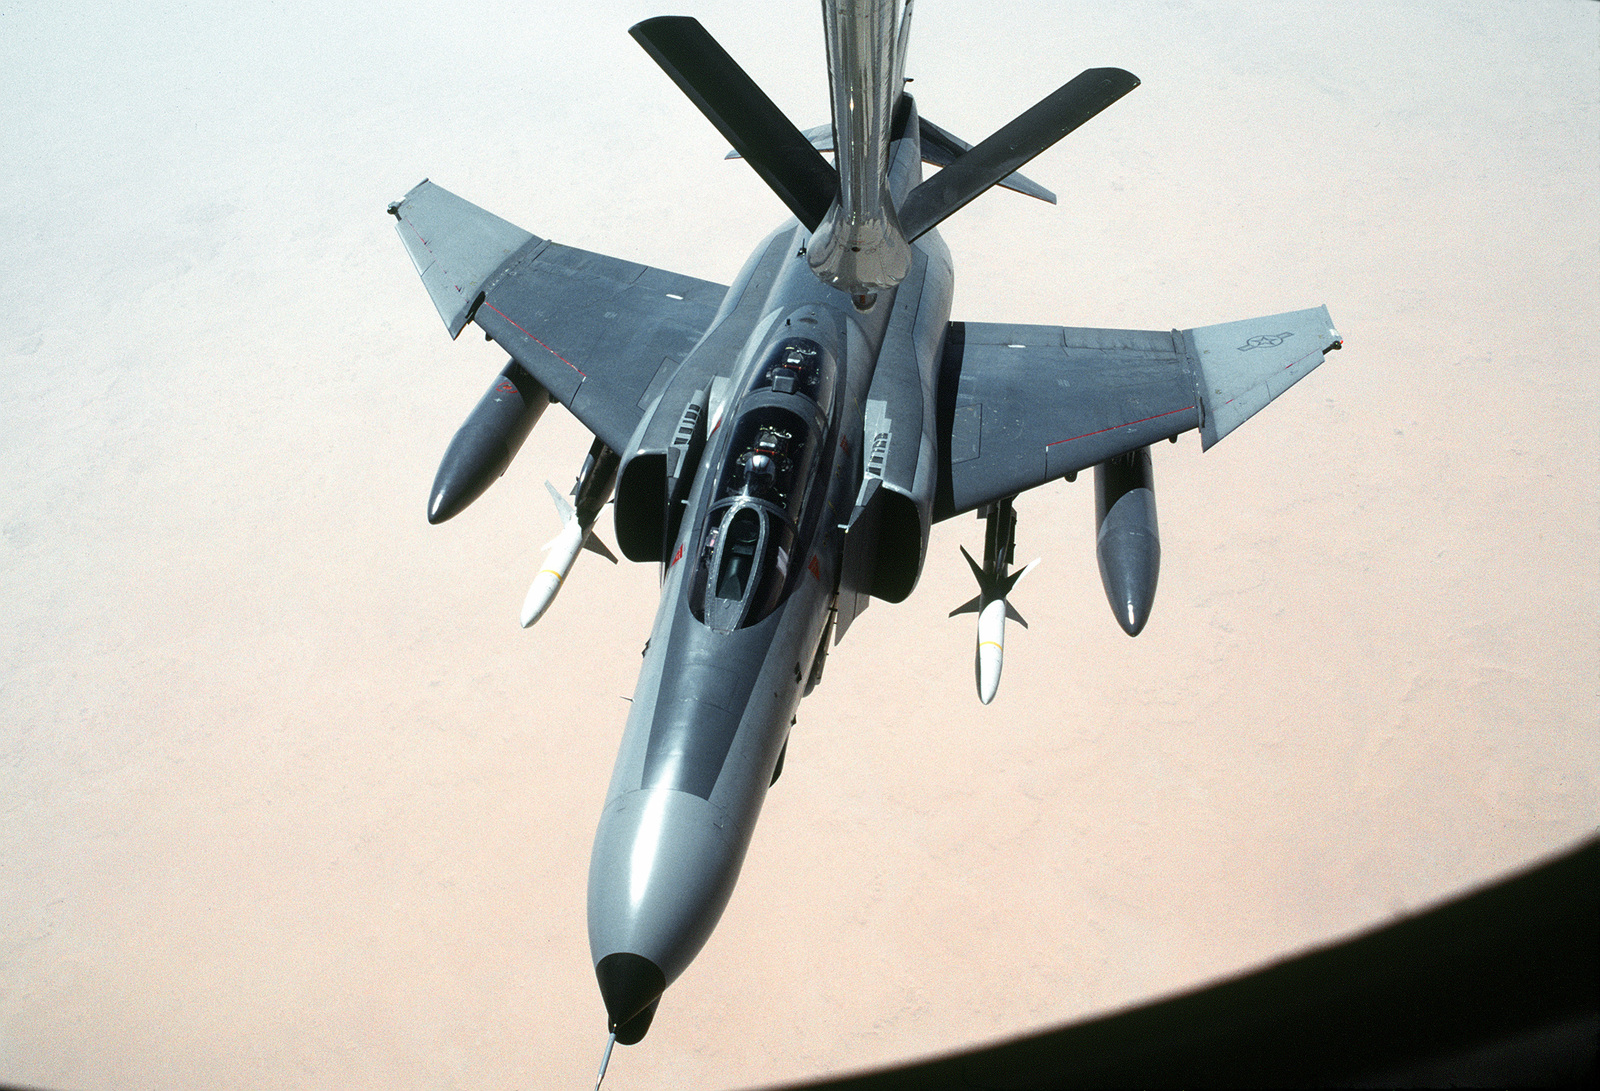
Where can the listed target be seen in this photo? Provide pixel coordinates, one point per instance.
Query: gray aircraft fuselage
(746, 593)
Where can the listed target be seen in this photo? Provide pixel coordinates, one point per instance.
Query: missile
(561, 552)
(589, 495)
(1126, 541)
(991, 604)
(486, 443)
(993, 609)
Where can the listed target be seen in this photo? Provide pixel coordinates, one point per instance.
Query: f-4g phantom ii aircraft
(782, 445)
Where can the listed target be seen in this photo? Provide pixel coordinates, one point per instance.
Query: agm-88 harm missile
(486, 443)
(1126, 542)
(994, 584)
(589, 495)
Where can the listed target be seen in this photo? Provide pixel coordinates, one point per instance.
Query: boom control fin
(975, 171)
(742, 113)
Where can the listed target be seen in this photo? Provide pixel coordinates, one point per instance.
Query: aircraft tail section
(941, 147)
(938, 146)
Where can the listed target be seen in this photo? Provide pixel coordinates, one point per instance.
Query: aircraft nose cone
(631, 985)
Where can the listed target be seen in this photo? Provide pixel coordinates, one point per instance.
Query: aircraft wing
(1022, 405)
(604, 335)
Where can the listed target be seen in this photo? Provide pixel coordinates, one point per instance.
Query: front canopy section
(743, 564)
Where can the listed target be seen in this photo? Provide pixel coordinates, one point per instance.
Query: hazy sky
(287, 798)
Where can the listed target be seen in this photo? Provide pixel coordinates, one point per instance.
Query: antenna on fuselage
(605, 1060)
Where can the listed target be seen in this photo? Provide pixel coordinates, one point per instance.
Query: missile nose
(540, 595)
(990, 658)
(437, 512)
(631, 986)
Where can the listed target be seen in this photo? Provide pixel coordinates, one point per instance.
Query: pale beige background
(286, 797)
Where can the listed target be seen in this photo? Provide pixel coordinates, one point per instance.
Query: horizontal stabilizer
(819, 136)
(456, 246)
(742, 113)
(1244, 365)
(1017, 142)
(942, 147)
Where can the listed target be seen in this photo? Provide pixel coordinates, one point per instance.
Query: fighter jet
(781, 446)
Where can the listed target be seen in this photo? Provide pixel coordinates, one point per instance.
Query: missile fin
(977, 569)
(593, 544)
(563, 506)
(971, 606)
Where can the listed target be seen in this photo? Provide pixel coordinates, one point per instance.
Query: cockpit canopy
(744, 567)
(749, 537)
(798, 365)
(770, 456)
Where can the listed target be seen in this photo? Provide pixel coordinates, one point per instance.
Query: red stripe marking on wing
(1114, 427)
(535, 340)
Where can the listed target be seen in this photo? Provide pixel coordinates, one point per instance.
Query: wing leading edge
(1022, 405)
(602, 334)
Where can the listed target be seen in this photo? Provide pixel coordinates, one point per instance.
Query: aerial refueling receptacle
(484, 446)
(1126, 542)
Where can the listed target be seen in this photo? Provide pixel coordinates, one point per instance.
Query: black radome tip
(631, 986)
